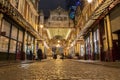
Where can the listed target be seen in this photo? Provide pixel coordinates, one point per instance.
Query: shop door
(116, 47)
(88, 54)
(115, 28)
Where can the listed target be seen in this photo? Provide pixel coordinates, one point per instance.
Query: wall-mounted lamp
(58, 41)
(41, 26)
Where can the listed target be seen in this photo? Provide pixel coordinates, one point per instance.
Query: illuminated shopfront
(29, 44)
(88, 54)
(115, 32)
(96, 49)
(12, 40)
(92, 44)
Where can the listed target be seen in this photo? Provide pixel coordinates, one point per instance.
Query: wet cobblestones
(58, 70)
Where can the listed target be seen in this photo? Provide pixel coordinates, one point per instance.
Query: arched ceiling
(58, 26)
(59, 23)
(54, 32)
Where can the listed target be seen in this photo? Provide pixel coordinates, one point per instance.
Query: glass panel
(96, 38)
(95, 42)
(97, 34)
(87, 46)
(3, 44)
(14, 32)
(32, 44)
(19, 46)
(82, 50)
(20, 38)
(6, 27)
(12, 46)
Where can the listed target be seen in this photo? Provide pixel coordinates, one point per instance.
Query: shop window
(6, 28)
(82, 50)
(115, 36)
(14, 32)
(97, 34)
(32, 44)
(3, 44)
(19, 46)
(20, 37)
(96, 39)
(12, 46)
(87, 46)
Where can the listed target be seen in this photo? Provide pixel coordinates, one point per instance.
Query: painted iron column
(109, 35)
(1, 17)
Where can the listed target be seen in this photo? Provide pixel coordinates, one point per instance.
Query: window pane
(97, 34)
(3, 44)
(6, 27)
(12, 46)
(14, 32)
(20, 38)
(19, 46)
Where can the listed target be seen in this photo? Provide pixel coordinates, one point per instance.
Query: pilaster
(109, 38)
(1, 17)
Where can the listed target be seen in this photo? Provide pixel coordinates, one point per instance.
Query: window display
(12, 46)
(6, 28)
(20, 37)
(82, 50)
(19, 46)
(96, 38)
(14, 32)
(3, 44)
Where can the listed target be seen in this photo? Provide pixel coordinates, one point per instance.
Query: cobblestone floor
(58, 70)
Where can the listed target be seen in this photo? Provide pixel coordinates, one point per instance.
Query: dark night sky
(47, 5)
